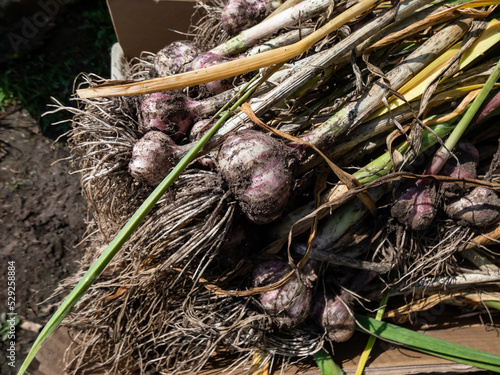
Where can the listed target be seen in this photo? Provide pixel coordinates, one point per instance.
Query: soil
(42, 216)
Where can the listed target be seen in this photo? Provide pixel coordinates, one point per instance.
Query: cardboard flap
(147, 25)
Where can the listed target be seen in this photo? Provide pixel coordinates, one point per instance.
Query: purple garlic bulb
(289, 305)
(479, 208)
(256, 168)
(153, 156)
(173, 58)
(334, 315)
(416, 206)
(204, 60)
(172, 114)
(239, 15)
(468, 157)
(199, 129)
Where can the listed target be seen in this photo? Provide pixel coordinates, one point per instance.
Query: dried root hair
(149, 310)
(101, 140)
(416, 255)
(208, 32)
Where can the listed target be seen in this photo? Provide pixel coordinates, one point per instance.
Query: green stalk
(371, 340)
(383, 164)
(429, 345)
(270, 25)
(332, 228)
(443, 154)
(326, 364)
(98, 266)
(354, 113)
(493, 304)
(347, 215)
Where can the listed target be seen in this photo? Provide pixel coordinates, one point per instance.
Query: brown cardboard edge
(147, 25)
(386, 359)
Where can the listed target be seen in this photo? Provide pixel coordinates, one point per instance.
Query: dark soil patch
(42, 218)
(44, 46)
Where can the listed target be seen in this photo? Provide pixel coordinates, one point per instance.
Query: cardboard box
(148, 25)
(385, 359)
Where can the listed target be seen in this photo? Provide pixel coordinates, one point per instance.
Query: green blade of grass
(485, 366)
(471, 112)
(382, 165)
(443, 154)
(371, 340)
(326, 364)
(429, 345)
(493, 304)
(98, 266)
